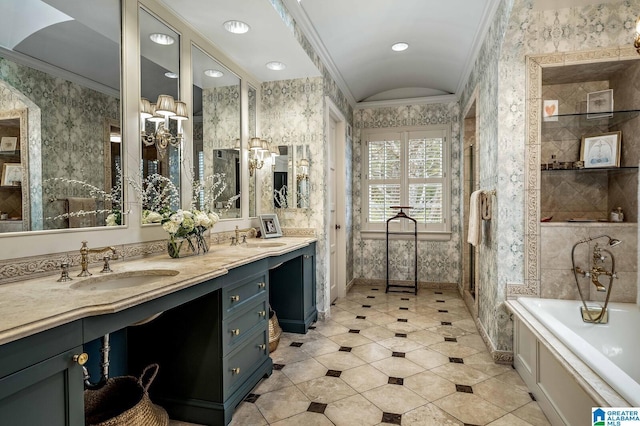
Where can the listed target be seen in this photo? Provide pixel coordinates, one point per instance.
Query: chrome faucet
(84, 258)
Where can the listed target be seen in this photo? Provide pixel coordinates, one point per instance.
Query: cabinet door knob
(262, 285)
(263, 314)
(262, 347)
(81, 358)
(235, 332)
(235, 298)
(235, 370)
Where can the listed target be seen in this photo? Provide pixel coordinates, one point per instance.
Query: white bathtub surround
(571, 366)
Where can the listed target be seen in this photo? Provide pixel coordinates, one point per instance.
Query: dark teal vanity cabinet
(211, 341)
(292, 293)
(40, 382)
(212, 351)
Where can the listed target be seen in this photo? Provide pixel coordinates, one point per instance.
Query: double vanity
(211, 338)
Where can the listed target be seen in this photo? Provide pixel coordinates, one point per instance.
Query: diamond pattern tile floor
(446, 376)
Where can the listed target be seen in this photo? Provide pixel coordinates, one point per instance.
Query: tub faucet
(84, 257)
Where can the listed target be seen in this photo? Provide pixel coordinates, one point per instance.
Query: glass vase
(174, 245)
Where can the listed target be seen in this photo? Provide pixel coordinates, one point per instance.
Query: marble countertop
(31, 306)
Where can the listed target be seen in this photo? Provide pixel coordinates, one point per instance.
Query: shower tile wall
(556, 276)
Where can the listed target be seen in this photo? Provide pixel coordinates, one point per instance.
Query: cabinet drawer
(238, 294)
(242, 324)
(242, 362)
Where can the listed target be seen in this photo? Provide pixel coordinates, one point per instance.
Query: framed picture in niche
(8, 143)
(601, 150)
(600, 104)
(270, 226)
(11, 174)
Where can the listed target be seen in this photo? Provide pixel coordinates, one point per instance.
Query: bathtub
(601, 360)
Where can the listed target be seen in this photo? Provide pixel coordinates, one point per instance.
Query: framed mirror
(161, 115)
(61, 71)
(216, 142)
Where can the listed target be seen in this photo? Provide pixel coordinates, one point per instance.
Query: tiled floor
(390, 359)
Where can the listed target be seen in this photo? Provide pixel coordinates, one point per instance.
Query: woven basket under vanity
(274, 331)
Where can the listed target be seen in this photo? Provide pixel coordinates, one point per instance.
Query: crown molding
(427, 100)
(301, 18)
(479, 38)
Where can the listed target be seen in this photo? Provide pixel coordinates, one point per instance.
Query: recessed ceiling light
(276, 66)
(160, 38)
(171, 74)
(213, 73)
(236, 27)
(399, 47)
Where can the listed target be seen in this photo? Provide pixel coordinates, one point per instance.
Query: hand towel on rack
(75, 205)
(475, 219)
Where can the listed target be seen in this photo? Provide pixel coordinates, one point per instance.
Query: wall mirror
(161, 115)
(59, 92)
(291, 189)
(216, 135)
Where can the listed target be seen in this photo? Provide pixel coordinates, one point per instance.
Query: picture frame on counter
(8, 143)
(270, 226)
(601, 150)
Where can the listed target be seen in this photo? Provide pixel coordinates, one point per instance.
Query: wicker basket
(124, 401)
(274, 331)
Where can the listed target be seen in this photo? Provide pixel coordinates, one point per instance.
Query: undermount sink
(265, 245)
(126, 279)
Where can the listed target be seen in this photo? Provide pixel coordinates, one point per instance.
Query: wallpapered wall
(70, 138)
(437, 261)
(292, 113)
(500, 74)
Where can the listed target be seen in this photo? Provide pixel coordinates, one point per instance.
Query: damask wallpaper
(292, 113)
(500, 77)
(437, 261)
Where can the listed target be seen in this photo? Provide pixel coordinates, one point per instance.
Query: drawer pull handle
(235, 370)
(81, 359)
(262, 347)
(235, 298)
(262, 285)
(263, 314)
(235, 332)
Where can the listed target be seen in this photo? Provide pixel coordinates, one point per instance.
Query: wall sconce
(159, 113)
(636, 42)
(257, 149)
(303, 166)
(274, 151)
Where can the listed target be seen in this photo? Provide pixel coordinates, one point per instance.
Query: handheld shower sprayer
(594, 274)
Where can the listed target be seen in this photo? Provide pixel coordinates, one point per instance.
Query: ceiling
(353, 38)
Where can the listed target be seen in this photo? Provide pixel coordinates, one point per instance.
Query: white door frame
(332, 112)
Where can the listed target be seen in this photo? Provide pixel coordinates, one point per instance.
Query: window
(406, 167)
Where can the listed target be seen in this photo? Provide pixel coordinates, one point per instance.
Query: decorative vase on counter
(174, 246)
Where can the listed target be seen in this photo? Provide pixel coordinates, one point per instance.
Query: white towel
(475, 218)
